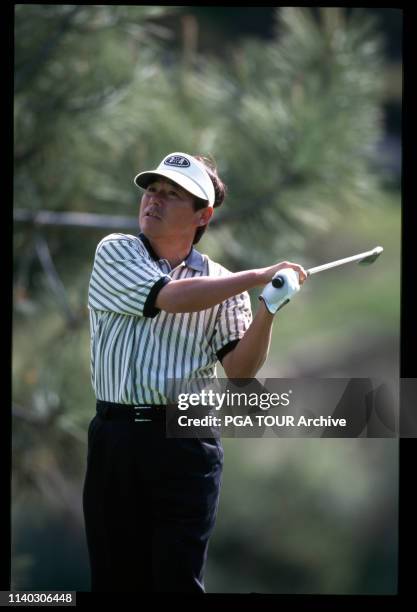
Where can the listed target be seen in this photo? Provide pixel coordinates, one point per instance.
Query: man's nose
(157, 198)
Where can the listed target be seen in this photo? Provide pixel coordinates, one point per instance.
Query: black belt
(131, 412)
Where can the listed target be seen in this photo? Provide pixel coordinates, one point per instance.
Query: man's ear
(205, 215)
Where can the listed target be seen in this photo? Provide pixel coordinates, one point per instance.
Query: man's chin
(151, 225)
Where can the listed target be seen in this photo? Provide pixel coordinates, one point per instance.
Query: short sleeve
(233, 319)
(125, 279)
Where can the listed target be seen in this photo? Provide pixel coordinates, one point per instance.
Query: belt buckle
(136, 409)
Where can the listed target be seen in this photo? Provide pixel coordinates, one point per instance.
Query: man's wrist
(265, 312)
(261, 276)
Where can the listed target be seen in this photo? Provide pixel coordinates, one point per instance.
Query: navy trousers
(150, 504)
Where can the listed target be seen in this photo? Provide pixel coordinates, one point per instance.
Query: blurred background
(301, 110)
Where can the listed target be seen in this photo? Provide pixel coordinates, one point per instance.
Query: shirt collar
(193, 260)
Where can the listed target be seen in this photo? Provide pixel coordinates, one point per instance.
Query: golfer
(160, 309)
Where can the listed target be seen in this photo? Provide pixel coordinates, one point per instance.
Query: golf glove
(280, 290)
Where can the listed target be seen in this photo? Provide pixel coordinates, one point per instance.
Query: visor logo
(177, 160)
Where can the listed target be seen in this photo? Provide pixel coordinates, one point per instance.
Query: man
(160, 310)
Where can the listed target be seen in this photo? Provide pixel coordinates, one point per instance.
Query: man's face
(167, 210)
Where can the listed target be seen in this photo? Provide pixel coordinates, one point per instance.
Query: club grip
(278, 282)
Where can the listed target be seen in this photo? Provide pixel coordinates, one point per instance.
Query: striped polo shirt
(137, 348)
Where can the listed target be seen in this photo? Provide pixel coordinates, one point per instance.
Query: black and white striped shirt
(135, 347)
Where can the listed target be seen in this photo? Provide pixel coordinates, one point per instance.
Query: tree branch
(32, 67)
(54, 281)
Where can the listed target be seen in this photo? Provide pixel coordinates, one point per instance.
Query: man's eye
(173, 193)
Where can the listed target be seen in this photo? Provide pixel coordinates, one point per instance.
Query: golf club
(362, 258)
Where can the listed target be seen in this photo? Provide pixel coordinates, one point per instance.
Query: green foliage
(296, 517)
(72, 63)
(291, 123)
(350, 313)
(298, 122)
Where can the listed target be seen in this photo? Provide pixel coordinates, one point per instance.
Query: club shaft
(339, 262)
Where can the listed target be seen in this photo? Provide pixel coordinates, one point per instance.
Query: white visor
(187, 172)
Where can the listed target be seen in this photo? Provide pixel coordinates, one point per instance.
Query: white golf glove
(280, 290)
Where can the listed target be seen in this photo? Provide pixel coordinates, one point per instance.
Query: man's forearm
(194, 294)
(250, 354)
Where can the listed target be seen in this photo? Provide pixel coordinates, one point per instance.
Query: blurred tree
(292, 123)
(297, 120)
(72, 64)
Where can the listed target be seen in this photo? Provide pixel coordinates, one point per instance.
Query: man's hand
(269, 272)
(280, 290)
